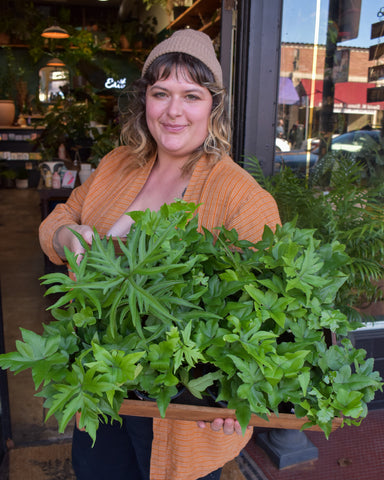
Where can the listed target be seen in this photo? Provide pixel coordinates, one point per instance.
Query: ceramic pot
(48, 169)
(124, 42)
(7, 112)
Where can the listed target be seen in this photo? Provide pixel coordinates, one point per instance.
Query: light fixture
(55, 32)
(55, 62)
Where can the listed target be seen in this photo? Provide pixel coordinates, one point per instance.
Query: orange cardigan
(228, 196)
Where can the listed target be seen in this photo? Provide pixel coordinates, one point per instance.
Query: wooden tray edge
(140, 408)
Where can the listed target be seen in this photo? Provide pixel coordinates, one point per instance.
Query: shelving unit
(18, 153)
(203, 15)
(16, 147)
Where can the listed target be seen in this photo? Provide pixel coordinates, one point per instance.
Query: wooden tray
(176, 411)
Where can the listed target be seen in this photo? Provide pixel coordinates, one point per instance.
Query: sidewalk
(350, 453)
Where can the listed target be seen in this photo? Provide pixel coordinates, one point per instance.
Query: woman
(176, 146)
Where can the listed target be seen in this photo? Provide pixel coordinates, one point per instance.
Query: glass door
(330, 77)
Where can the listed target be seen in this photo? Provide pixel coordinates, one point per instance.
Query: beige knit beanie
(194, 43)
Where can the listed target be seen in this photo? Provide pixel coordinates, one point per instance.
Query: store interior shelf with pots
(60, 95)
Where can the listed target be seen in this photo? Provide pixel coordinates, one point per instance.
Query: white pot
(83, 175)
(52, 166)
(21, 182)
(85, 171)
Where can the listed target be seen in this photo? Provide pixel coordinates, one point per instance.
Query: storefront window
(327, 84)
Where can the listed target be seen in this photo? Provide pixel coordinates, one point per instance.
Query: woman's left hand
(229, 426)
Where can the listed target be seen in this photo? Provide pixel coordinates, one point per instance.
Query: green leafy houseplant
(7, 176)
(68, 121)
(8, 76)
(103, 142)
(172, 299)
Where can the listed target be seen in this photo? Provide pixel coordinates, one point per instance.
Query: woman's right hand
(64, 237)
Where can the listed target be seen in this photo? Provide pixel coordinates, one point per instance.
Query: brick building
(304, 63)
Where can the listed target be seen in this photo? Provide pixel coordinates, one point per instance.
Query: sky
(299, 20)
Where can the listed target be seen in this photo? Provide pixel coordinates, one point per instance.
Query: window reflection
(324, 88)
(51, 82)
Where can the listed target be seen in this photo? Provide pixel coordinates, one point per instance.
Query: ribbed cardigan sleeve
(100, 201)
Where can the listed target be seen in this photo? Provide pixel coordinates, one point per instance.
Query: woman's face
(177, 114)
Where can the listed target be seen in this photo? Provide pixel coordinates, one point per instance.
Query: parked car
(296, 160)
(365, 146)
(282, 145)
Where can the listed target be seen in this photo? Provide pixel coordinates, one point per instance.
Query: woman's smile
(174, 127)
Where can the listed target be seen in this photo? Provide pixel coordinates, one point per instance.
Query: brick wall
(297, 59)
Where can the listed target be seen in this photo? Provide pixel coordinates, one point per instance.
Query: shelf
(20, 129)
(200, 17)
(102, 48)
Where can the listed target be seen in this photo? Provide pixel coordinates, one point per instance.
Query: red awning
(350, 97)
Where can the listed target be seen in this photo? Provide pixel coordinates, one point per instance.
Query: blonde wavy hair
(135, 132)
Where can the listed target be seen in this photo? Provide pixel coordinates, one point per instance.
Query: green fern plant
(348, 212)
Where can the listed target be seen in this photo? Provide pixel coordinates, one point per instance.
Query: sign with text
(118, 84)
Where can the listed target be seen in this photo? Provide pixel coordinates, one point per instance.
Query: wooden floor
(24, 305)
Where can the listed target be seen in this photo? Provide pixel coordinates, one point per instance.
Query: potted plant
(18, 19)
(6, 25)
(133, 33)
(7, 88)
(7, 176)
(79, 47)
(151, 3)
(174, 8)
(105, 139)
(68, 122)
(145, 312)
(22, 178)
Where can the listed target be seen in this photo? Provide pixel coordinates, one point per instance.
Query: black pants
(120, 452)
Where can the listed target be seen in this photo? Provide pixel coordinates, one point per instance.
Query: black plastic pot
(144, 396)
(213, 391)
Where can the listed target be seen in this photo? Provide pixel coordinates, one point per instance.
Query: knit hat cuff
(194, 43)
